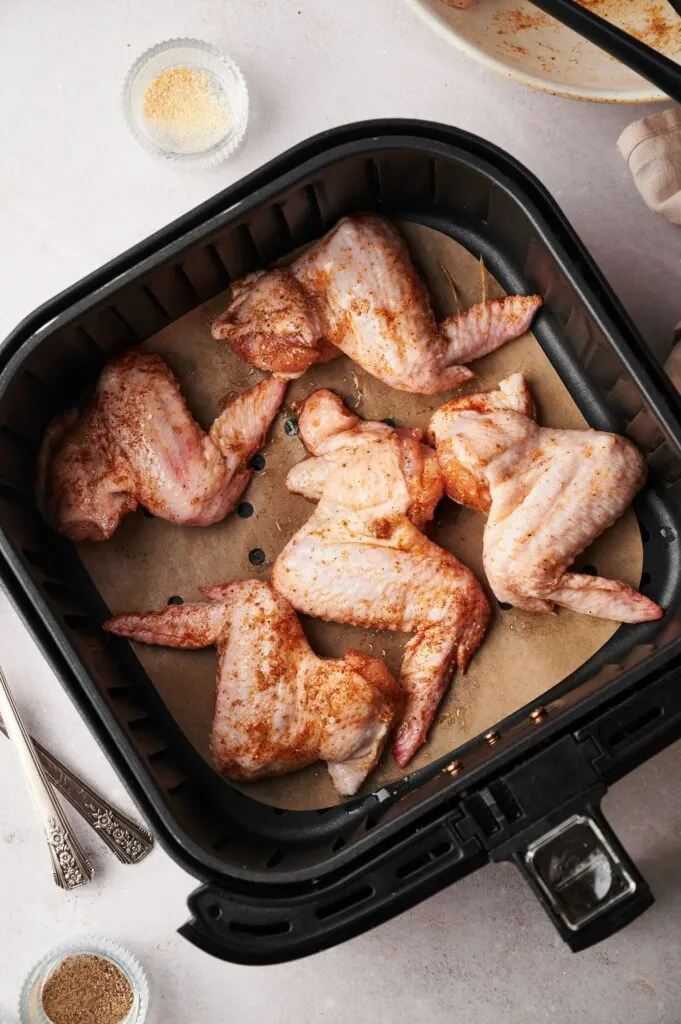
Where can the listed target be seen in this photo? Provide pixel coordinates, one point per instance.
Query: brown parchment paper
(148, 560)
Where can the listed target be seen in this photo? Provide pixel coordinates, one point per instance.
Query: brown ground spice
(87, 989)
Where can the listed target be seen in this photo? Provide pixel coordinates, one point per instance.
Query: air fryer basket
(280, 884)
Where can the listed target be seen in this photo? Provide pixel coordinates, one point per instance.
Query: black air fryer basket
(279, 884)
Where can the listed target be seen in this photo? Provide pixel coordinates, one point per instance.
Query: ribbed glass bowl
(30, 1000)
(227, 83)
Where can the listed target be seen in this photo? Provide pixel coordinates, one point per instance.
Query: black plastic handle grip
(654, 66)
(284, 924)
(584, 879)
(543, 814)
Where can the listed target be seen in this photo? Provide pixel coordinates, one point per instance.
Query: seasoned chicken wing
(358, 290)
(138, 443)
(278, 707)
(362, 557)
(548, 494)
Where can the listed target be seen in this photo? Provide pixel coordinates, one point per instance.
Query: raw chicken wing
(358, 290)
(278, 707)
(138, 443)
(548, 494)
(362, 557)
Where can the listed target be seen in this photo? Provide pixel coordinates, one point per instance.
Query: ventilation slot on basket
(206, 272)
(162, 755)
(124, 324)
(13, 436)
(412, 867)
(58, 590)
(284, 225)
(346, 902)
(120, 692)
(92, 347)
(432, 181)
(315, 209)
(261, 930)
(42, 385)
(173, 291)
(15, 497)
(139, 723)
(275, 858)
(148, 739)
(373, 181)
(156, 303)
(627, 732)
(251, 252)
(222, 843)
(81, 623)
(39, 561)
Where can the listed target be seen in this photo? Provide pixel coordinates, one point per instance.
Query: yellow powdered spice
(183, 102)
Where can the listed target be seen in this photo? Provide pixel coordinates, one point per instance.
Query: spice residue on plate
(87, 989)
(186, 109)
(655, 23)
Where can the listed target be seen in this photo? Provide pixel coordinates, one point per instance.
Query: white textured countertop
(74, 191)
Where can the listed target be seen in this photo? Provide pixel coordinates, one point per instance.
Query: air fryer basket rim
(238, 201)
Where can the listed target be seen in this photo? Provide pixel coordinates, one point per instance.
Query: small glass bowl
(30, 1000)
(227, 82)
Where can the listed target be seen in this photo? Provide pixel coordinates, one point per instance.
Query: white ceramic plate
(519, 41)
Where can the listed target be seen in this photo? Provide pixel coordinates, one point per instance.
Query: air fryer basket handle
(286, 924)
(575, 865)
(584, 879)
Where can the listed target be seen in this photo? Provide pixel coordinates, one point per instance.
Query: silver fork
(127, 840)
(70, 866)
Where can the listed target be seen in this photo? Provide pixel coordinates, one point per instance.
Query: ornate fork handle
(70, 866)
(124, 837)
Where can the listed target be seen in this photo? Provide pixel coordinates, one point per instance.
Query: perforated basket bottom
(149, 562)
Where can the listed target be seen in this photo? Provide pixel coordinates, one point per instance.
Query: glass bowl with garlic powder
(94, 981)
(185, 100)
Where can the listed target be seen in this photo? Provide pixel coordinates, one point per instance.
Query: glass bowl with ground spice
(94, 981)
(186, 101)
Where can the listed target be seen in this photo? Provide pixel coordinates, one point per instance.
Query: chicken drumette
(362, 557)
(278, 707)
(357, 290)
(548, 494)
(138, 443)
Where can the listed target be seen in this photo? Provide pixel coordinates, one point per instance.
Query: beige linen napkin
(652, 148)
